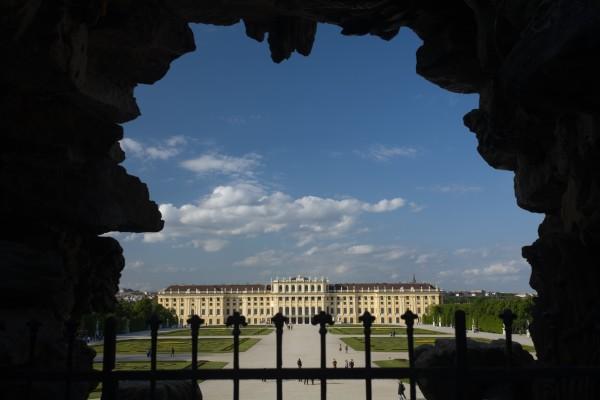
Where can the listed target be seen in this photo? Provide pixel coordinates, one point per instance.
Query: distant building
(299, 298)
(133, 295)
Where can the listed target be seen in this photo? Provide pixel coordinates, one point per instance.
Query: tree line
(484, 313)
(131, 316)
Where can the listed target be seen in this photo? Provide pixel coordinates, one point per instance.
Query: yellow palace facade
(299, 298)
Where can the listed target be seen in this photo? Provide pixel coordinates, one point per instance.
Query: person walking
(352, 363)
(401, 390)
(299, 362)
(346, 363)
(340, 347)
(346, 348)
(172, 351)
(334, 363)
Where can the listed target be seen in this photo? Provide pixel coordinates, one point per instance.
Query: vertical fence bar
(322, 319)
(508, 317)
(367, 320)
(460, 334)
(70, 331)
(279, 320)
(409, 317)
(34, 328)
(236, 320)
(154, 324)
(195, 322)
(109, 385)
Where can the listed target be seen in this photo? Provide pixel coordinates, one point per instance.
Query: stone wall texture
(68, 74)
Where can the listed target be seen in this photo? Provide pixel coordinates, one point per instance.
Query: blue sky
(343, 164)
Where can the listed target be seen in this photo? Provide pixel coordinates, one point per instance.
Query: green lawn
(145, 365)
(218, 345)
(386, 343)
(355, 330)
(252, 331)
(525, 347)
(400, 343)
(395, 363)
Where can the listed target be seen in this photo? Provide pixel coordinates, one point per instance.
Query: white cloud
(210, 245)
(452, 188)
(414, 207)
(465, 251)
(360, 249)
(341, 269)
(223, 164)
(136, 264)
(424, 258)
(394, 254)
(385, 205)
(268, 258)
(501, 268)
(163, 151)
(380, 152)
(249, 209)
(311, 251)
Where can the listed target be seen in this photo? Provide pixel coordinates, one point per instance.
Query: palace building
(299, 298)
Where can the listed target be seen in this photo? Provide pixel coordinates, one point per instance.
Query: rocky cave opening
(68, 77)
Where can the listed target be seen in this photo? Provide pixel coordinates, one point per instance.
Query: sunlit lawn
(145, 365)
(394, 363)
(386, 343)
(216, 345)
(400, 343)
(348, 330)
(252, 331)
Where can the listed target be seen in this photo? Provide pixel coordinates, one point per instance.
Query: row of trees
(484, 313)
(131, 316)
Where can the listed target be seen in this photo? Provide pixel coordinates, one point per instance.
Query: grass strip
(392, 363)
(355, 330)
(252, 331)
(213, 345)
(145, 365)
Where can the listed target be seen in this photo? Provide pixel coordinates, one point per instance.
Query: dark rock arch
(69, 69)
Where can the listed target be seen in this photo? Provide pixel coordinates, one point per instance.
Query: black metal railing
(461, 373)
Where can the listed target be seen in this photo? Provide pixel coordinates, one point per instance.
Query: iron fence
(461, 373)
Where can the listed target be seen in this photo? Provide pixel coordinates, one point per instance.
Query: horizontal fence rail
(461, 372)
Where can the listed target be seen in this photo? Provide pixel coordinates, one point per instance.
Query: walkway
(301, 342)
(523, 339)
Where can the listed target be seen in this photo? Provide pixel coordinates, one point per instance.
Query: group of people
(348, 364)
(346, 347)
(299, 362)
(149, 352)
